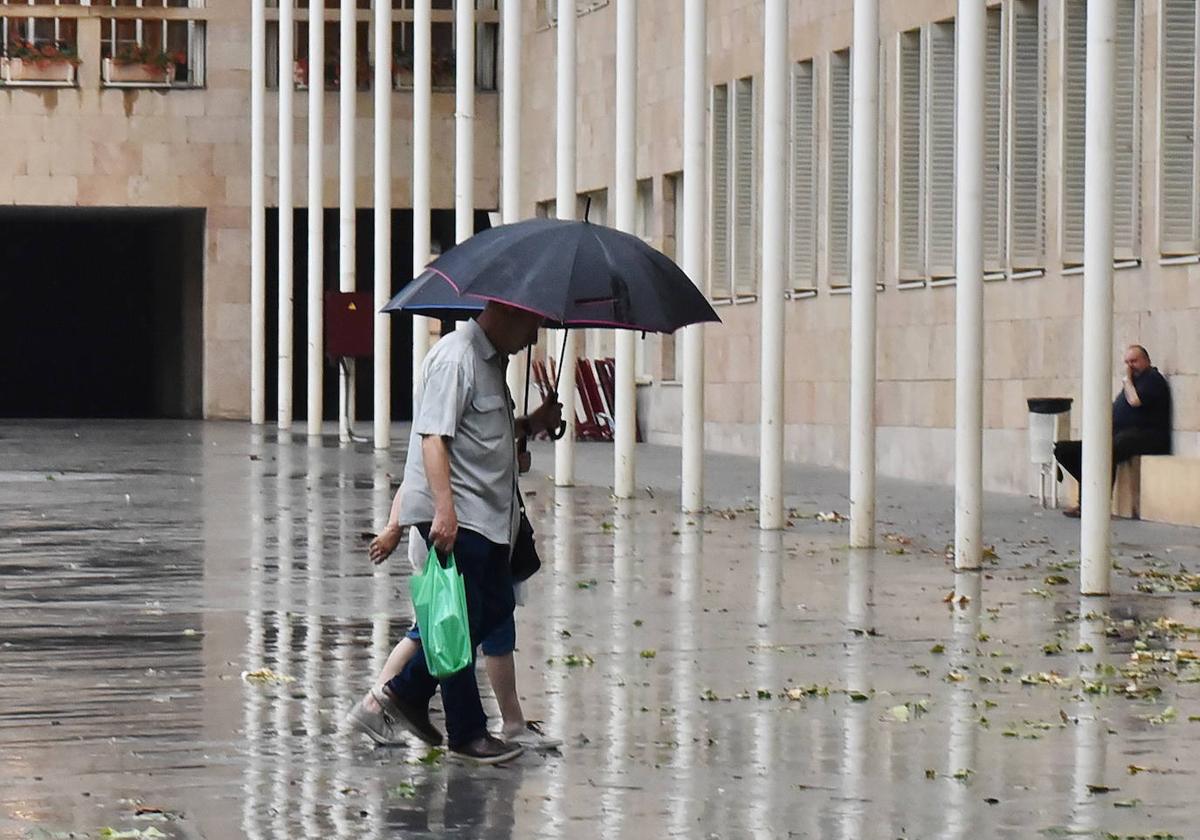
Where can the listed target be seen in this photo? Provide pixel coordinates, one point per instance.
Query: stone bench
(1169, 489)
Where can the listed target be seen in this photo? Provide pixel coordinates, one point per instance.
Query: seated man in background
(1141, 418)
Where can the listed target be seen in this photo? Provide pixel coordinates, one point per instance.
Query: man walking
(1141, 418)
(460, 491)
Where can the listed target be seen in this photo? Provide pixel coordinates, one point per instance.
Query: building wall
(92, 147)
(1033, 332)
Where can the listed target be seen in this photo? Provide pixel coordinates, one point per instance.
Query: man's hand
(548, 416)
(383, 545)
(444, 530)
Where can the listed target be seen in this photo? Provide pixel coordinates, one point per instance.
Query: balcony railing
(65, 43)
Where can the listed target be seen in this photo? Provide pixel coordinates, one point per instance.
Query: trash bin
(1049, 422)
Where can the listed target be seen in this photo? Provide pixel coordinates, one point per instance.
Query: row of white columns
(347, 202)
(971, 27)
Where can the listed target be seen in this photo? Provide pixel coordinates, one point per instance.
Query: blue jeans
(488, 582)
(500, 642)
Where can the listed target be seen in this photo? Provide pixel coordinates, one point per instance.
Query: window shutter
(839, 168)
(1074, 139)
(1127, 107)
(719, 285)
(804, 182)
(1026, 137)
(993, 151)
(910, 266)
(744, 245)
(939, 227)
(1177, 176)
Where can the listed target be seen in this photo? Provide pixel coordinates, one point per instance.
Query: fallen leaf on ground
(266, 675)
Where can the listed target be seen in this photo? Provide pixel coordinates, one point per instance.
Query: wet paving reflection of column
(338, 596)
(375, 802)
(684, 689)
(314, 651)
(281, 806)
(623, 663)
(1090, 731)
(856, 722)
(557, 701)
(255, 640)
(768, 592)
(960, 815)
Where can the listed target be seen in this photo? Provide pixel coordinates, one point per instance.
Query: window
(910, 262)
(1026, 158)
(1127, 105)
(803, 258)
(993, 147)
(745, 244)
(1126, 198)
(939, 165)
(643, 226)
(720, 286)
(838, 192)
(673, 198)
(1177, 174)
(1074, 111)
(179, 43)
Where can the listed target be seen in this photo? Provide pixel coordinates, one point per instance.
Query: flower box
(140, 75)
(19, 71)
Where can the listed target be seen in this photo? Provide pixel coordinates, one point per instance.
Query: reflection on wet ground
(710, 680)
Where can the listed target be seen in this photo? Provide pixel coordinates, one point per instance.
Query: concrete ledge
(1127, 490)
(1170, 489)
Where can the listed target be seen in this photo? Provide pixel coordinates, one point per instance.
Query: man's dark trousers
(1127, 444)
(485, 570)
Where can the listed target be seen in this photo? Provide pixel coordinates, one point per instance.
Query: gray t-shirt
(464, 398)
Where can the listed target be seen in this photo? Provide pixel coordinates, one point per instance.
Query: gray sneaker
(380, 725)
(533, 738)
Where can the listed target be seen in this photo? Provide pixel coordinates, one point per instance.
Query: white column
(287, 139)
(316, 217)
(1095, 563)
(564, 450)
(422, 110)
(968, 375)
(347, 200)
(625, 194)
(258, 214)
(382, 415)
(695, 204)
(510, 148)
(864, 225)
(464, 121)
(774, 266)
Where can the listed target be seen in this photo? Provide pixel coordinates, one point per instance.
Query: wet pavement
(710, 680)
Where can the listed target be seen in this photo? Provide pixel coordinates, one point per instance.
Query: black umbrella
(575, 274)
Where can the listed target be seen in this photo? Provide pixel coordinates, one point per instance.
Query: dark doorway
(442, 232)
(101, 312)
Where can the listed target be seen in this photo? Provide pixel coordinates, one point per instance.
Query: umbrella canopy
(575, 274)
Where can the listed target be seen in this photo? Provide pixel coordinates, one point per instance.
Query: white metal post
(287, 139)
(1095, 563)
(258, 214)
(968, 433)
(347, 199)
(695, 205)
(564, 450)
(625, 194)
(510, 180)
(316, 217)
(464, 120)
(774, 255)
(382, 415)
(422, 110)
(864, 224)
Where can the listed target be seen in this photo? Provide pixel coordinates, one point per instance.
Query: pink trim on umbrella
(489, 298)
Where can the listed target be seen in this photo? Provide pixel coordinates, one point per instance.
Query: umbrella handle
(560, 432)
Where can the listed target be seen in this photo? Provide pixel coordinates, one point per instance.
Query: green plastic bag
(440, 600)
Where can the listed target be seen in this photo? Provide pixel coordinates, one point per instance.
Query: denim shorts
(500, 642)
